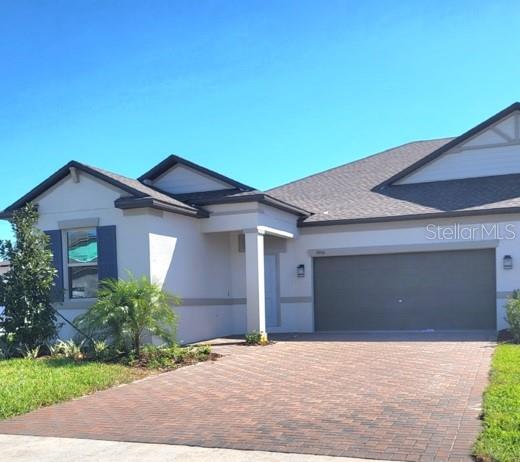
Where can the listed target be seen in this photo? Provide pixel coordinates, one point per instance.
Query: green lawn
(500, 438)
(29, 384)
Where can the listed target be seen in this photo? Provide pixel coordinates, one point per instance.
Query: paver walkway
(413, 397)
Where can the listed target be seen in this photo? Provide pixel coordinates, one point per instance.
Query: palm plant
(126, 310)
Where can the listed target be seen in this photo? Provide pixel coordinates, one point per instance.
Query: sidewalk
(45, 449)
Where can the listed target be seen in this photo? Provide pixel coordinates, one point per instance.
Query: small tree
(513, 315)
(127, 309)
(28, 320)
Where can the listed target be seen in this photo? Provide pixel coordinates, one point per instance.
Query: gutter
(126, 203)
(419, 216)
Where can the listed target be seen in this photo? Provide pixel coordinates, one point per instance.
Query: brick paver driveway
(399, 397)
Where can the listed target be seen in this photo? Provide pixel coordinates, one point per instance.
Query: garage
(406, 291)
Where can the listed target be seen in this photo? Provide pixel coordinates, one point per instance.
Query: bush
(253, 338)
(31, 353)
(7, 346)
(513, 315)
(67, 349)
(126, 310)
(102, 351)
(169, 357)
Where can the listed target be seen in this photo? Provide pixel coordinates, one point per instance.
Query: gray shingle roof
(347, 193)
(230, 196)
(138, 193)
(141, 189)
(355, 192)
(205, 197)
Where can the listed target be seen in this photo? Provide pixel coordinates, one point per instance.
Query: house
(4, 266)
(422, 236)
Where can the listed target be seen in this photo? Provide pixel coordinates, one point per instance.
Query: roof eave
(63, 172)
(126, 203)
(417, 216)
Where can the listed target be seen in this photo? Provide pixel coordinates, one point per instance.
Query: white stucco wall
(182, 179)
(168, 248)
(346, 239)
(248, 215)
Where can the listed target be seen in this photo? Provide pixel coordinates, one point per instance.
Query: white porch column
(255, 285)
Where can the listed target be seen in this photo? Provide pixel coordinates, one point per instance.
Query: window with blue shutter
(107, 252)
(91, 256)
(82, 262)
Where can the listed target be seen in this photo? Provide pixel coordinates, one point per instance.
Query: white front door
(272, 305)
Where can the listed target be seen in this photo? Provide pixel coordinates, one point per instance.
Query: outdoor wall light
(300, 271)
(508, 262)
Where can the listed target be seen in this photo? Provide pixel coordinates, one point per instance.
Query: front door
(272, 305)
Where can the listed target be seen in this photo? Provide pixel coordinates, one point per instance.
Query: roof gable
(350, 194)
(177, 175)
(181, 179)
(135, 194)
(496, 140)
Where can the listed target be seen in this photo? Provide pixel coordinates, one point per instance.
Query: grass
(500, 437)
(29, 384)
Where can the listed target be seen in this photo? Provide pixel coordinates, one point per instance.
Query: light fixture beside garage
(300, 271)
(508, 262)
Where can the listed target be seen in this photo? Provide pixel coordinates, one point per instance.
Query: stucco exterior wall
(168, 248)
(200, 260)
(391, 238)
(182, 179)
(4, 267)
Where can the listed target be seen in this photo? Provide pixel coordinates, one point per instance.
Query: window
(82, 263)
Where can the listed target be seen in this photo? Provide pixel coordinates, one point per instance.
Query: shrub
(103, 351)
(168, 357)
(67, 349)
(203, 351)
(31, 353)
(126, 310)
(513, 315)
(253, 338)
(7, 346)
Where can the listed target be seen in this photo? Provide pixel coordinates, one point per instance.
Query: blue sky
(262, 91)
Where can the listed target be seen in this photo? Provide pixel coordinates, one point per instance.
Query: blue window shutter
(57, 260)
(107, 252)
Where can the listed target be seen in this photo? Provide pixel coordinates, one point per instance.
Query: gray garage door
(414, 291)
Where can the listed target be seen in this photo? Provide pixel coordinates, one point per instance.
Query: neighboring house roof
(140, 195)
(173, 160)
